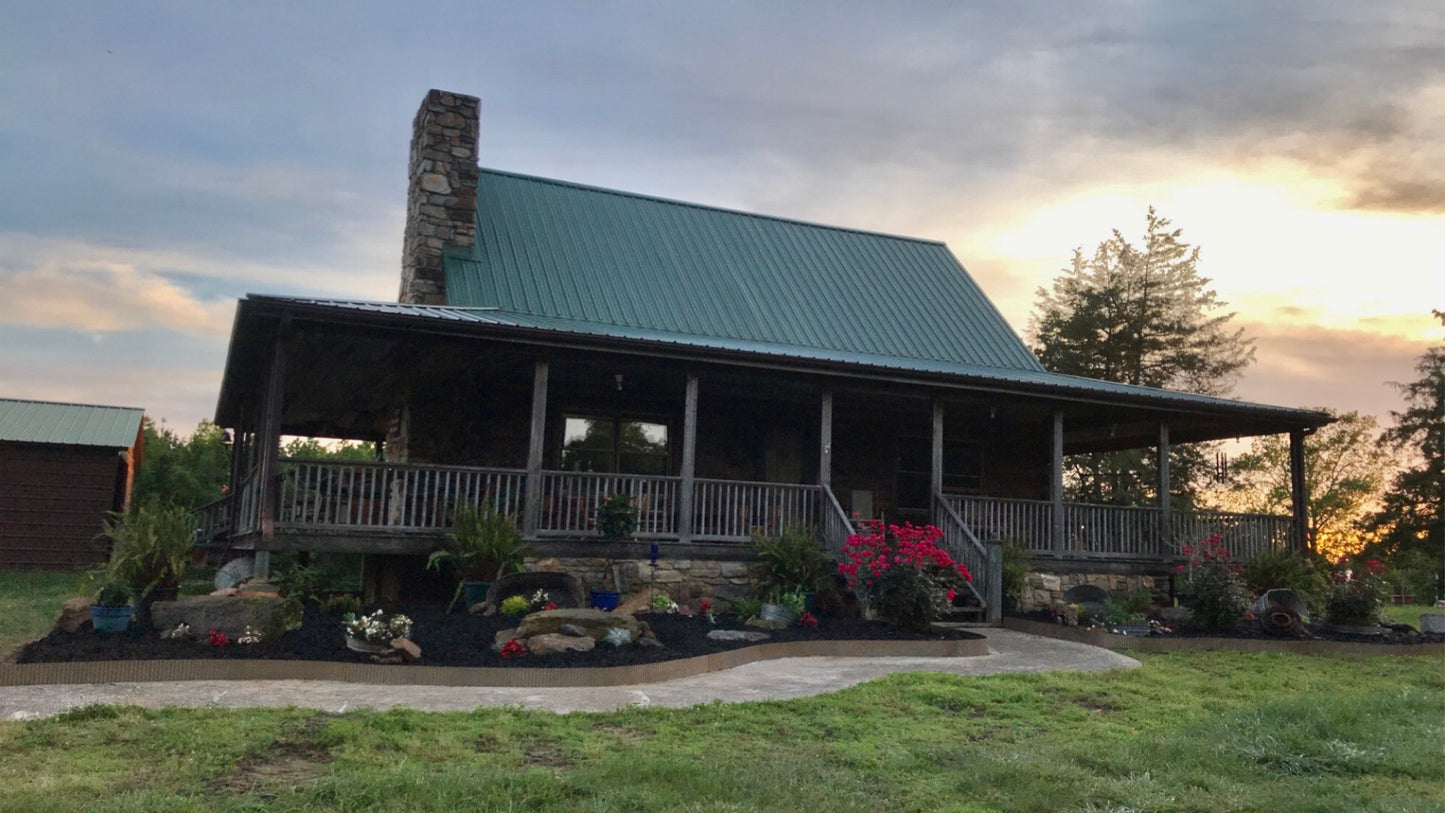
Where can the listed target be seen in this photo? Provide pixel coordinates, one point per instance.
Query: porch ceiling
(347, 363)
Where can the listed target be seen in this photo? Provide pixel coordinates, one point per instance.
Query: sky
(161, 160)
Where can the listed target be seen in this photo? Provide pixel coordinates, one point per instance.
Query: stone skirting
(1047, 589)
(684, 580)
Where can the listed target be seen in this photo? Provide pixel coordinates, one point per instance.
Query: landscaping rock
(271, 617)
(562, 589)
(1176, 616)
(502, 637)
(739, 635)
(649, 642)
(1432, 623)
(234, 572)
(74, 615)
(556, 642)
(763, 624)
(573, 630)
(408, 649)
(595, 623)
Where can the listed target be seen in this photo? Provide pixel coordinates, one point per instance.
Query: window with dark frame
(614, 445)
(962, 469)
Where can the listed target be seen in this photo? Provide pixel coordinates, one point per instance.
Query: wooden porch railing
(731, 510)
(570, 501)
(967, 549)
(327, 494)
(834, 526)
(1108, 531)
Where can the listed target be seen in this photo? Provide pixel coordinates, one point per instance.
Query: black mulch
(446, 639)
(1395, 634)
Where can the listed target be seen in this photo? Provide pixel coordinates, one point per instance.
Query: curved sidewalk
(781, 679)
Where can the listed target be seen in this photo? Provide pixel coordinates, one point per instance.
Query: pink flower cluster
(867, 556)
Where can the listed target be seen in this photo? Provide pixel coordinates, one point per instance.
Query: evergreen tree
(1139, 315)
(1413, 513)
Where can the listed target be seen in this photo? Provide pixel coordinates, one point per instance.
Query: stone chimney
(441, 197)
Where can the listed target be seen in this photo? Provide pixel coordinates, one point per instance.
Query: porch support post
(1298, 492)
(532, 507)
(935, 469)
(825, 441)
(269, 440)
(1056, 485)
(689, 459)
(1166, 525)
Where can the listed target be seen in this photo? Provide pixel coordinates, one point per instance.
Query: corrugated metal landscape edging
(64, 424)
(32, 674)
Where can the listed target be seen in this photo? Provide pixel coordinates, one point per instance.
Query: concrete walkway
(780, 679)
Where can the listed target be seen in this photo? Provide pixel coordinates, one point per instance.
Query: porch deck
(403, 508)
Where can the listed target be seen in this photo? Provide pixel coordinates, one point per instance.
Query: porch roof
(549, 249)
(524, 328)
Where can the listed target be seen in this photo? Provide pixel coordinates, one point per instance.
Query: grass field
(1187, 731)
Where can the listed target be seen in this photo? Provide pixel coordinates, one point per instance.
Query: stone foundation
(683, 580)
(1047, 589)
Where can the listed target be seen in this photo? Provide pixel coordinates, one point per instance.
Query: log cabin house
(554, 344)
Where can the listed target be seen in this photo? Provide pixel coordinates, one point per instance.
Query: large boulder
(562, 589)
(548, 643)
(271, 617)
(595, 623)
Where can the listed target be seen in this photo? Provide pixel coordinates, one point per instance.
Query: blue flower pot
(110, 619)
(605, 599)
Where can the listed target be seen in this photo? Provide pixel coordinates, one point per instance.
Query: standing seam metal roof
(553, 249)
(68, 424)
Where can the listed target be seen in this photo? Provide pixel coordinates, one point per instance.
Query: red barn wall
(53, 502)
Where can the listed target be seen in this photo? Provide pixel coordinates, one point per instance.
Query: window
(615, 445)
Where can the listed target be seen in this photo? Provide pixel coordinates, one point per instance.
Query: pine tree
(1139, 315)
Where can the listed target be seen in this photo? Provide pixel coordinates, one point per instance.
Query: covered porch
(716, 444)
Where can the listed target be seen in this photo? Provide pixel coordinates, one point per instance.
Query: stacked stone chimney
(441, 198)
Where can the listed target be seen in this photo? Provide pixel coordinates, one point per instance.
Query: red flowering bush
(1353, 595)
(902, 573)
(217, 638)
(1212, 586)
(808, 621)
(514, 649)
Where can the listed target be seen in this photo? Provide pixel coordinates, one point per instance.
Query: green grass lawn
(1409, 613)
(1187, 731)
(30, 600)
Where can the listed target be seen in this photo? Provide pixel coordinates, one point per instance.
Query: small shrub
(113, 594)
(746, 607)
(515, 605)
(909, 598)
(341, 603)
(902, 572)
(617, 517)
(1128, 608)
(1354, 594)
(1016, 568)
(1283, 569)
(1211, 586)
(618, 636)
(793, 561)
(297, 580)
(795, 601)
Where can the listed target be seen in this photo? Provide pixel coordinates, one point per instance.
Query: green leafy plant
(1016, 568)
(1128, 609)
(663, 603)
(482, 545)
(746, 607)
(794, 601)
(793, 561)
(341, 603)
(515, 605)
(296, 580)
(1211, 585)
(113, 594)
(150, 547)
(617, 517)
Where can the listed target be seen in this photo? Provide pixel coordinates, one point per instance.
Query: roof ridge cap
(706, 207)
(69, 404)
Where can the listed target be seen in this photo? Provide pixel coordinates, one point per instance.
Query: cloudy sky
(158, 161)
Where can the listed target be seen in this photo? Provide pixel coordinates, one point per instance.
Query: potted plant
(111, 610)
(150, 550)
(373, 634)
(483, 544)
(783, 609)
(616, 522)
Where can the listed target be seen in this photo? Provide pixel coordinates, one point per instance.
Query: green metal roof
(1038, 381)
(68, 424)
(552, 250)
